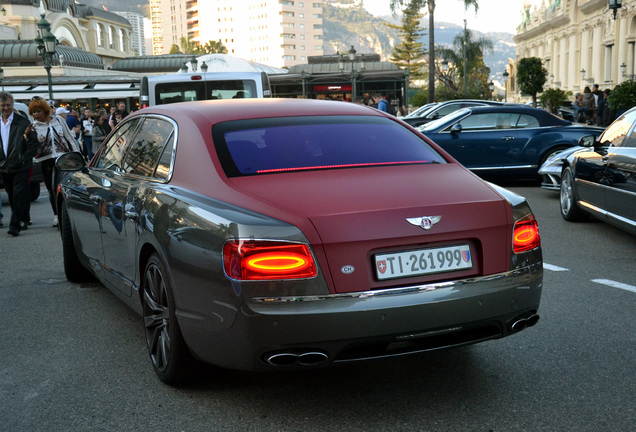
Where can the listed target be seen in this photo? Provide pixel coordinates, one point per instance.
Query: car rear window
(265, 146)
(186, 91)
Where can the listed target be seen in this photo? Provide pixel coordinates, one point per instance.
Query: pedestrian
(608, 115)
(51, 103)
(19, 145)
(99, 130)
(579, 108)
(121, 107)
(54, 138)
(590, 106)
(87, 132)
(383, 105)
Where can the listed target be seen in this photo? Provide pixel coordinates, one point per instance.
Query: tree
(477, 72)
(212, 47)
(410, 51)
(531, 76)
(431, 34)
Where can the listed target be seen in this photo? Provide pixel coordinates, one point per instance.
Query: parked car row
(436, 110)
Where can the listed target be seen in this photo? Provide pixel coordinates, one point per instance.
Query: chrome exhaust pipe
(309, 358)
(533, 319)
(523, 323)
(520, 324)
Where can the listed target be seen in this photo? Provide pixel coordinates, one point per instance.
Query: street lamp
(342, 60)
(204, 67)
(303, 77)
(184, 68)
(614, 5)
(625, 74)
(589, 80)
(491, 87)
(46, 42)
(505, 80)
(2, 77)
(193, 63)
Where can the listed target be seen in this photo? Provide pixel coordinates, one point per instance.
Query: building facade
(280, 33)
(137, 36)
(580, 42)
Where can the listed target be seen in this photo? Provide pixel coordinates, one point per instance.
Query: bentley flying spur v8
(271, 234)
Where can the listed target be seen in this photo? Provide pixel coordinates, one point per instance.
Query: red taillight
(267, 260)
(525, 235)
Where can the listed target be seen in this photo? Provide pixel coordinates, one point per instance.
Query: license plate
(423, 262)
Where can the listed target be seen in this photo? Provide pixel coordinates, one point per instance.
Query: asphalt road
(73, 357)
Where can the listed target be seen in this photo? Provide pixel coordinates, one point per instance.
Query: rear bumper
(371, 324)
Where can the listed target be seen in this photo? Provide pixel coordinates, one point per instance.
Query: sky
(493, 15)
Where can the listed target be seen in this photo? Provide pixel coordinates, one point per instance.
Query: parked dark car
(601, 180)
(268, 234)
(509, 142)
(433, 111)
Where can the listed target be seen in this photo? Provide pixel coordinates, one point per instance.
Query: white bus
(193, 86)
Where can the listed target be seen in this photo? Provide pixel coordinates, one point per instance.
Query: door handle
(508, 138)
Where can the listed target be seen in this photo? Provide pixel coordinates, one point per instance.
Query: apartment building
(279, 33)
(137, 39)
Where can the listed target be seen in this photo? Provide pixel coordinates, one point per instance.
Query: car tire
(34, 190)
(570, 210)
(73, 267)
(168, 351)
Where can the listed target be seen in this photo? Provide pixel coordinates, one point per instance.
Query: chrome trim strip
(602, 186)
(607, 214)
(403, 290)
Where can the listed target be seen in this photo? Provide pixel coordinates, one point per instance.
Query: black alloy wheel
(169, 354)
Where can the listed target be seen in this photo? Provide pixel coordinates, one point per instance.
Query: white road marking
(553, 267)
(615, 284)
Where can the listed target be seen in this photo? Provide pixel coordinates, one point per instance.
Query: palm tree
(431, 34)
(475, 67)
(212, 47)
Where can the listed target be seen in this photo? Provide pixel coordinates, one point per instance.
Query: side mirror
(457, 128)
(73, 161)
(587, 141)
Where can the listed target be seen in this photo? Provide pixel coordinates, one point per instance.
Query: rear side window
(266, 146)
(616, 134)
(186, 91)
(111, 153)
(145, 151)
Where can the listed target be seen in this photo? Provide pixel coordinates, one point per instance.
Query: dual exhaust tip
(308, 358)
(523, 323)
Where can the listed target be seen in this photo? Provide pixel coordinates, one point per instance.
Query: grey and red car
(285, 234)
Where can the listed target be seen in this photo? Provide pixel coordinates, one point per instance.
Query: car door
(86, 197)
(477, 144)
(143, 153)
(620, 165)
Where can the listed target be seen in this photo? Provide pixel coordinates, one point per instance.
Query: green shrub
(623, 97)
(420, 98)
(551, 99)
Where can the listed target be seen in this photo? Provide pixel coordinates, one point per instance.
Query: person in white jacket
(54, 138)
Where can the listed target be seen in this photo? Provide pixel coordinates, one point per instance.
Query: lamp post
(303, 77)
(614, 5)
(193, 63)
(505, 80)
(625, 74)
(445, 70)
(2, 77)
(589, 80)
(342, 61)
(184, 68)
(491, 87)
(46, 42)
(204, 67)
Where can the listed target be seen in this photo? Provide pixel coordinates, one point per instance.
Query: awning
(71, 92)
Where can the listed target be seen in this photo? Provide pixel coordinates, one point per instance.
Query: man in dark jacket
(19, 144)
